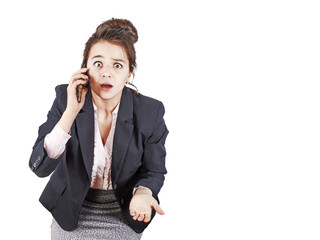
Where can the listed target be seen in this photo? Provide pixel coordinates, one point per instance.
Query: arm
(151, 174)
(152, 171)
(64, 113)
(40, 163)
(55, 141)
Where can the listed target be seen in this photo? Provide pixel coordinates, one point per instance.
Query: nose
(106, 74)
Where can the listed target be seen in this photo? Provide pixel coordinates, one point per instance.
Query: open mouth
(106, 86)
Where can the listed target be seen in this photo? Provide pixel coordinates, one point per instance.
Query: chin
(109, 95)
(105, 96)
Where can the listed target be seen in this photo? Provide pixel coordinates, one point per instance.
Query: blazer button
(122, 201)
(115, 186)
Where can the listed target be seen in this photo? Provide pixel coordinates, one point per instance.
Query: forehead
(108, 50)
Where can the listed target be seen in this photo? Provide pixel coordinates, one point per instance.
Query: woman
(105, 150)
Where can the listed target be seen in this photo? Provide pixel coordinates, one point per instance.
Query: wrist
(143, 191)
(67, 120)
(70, 113)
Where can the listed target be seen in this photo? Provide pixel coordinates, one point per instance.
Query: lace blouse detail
(102, 159)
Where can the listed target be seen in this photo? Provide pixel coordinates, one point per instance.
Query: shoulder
(60, 89)
(146, 105)
(148, 115)
(147, 112)
(61, 94)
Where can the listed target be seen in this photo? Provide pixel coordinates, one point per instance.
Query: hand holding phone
(75, 93)
(74, 103)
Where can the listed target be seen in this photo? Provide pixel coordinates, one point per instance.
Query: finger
(81, 70)
(79, 81)
(141, 217)
(81, 76)
(132, 212)
(78, 77)
(76, 83)
(158, 209)
(135, 217)
(147, 217)
(81, 73)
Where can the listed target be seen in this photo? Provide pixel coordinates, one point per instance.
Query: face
(108, 70)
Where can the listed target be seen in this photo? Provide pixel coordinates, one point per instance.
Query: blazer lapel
(85, 130)
(122, 133)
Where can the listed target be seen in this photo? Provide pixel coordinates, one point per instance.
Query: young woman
(104, 146)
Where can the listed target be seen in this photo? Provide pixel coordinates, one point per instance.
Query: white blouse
(102, 157)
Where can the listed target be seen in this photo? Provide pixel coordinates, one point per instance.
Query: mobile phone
(80, 87)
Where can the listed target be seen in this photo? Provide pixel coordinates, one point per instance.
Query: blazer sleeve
(152, 171)
(40, 163)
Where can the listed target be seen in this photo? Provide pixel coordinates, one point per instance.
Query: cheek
(94, 76)
(123, 77)
(93, 82)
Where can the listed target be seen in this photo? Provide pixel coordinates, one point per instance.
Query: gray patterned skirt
(100, 218)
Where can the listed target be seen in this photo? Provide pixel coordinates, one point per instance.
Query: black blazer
(138, 156)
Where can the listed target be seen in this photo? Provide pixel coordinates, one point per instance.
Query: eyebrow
(114, 59)
(118, 60)
(97, 56)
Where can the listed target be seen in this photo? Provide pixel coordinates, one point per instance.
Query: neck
(106, 106)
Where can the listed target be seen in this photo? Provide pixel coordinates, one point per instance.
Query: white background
(240, 83)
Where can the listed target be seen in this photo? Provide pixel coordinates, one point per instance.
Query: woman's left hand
(141, 205)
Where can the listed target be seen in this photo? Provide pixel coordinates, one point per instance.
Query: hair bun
(118, 27)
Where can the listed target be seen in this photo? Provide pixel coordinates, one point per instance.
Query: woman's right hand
(73, 106)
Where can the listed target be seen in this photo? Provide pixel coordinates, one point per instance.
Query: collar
(114, 112)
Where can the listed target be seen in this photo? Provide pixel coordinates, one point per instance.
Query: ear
(129, 76)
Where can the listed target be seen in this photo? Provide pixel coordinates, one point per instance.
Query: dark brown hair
(116, 31)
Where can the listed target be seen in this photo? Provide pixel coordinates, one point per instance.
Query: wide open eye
(117, 65)
(97, 64)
